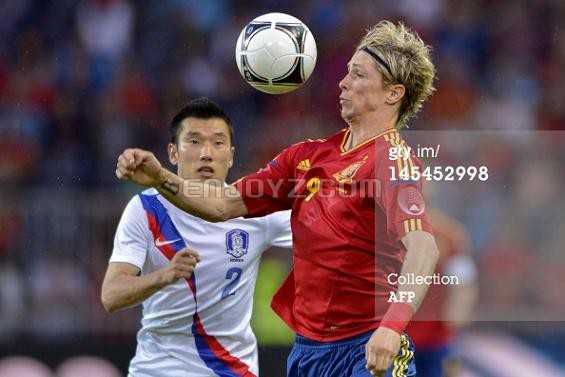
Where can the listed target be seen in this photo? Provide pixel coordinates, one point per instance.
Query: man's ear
(230, 163)
(173, 153)
(395, 92)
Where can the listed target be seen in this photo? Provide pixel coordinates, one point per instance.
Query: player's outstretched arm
(420, 260)
(198, 198)
(122, 287)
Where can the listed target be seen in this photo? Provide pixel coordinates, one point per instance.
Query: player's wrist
(160, 177)
(397, 317)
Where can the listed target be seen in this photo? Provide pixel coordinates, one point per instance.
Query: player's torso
(225, 276)
(334, 204)
(223, 283)
(339, 228)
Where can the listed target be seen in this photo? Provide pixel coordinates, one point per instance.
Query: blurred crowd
(80, 80)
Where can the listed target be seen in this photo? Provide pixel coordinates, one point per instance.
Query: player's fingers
(125, 168)
(124, 173)
(186, 262)
(189, 252)
(382, 363)
(377, 373)
(129, 155)
(125, 163)
(371, 360)
(140, 156)
(186, 272)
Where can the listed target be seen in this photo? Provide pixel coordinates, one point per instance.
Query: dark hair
(201, 108)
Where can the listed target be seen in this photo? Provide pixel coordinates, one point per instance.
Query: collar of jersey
(346, 136)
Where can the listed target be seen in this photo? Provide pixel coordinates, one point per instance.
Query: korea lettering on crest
(237, 242)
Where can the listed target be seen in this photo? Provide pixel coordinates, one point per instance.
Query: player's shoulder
(147, 196)
(137, 199)
(138, 205)
(150, 200)
(393, 144)
(389, 138)
(299, 151)
(309, 145)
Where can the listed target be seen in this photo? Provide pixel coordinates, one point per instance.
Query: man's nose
(206, 152)
(343, 83)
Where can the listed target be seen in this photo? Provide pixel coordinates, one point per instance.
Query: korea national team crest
(237, 242)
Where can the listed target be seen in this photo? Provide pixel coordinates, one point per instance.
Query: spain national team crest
(347, 174)
(237, 242)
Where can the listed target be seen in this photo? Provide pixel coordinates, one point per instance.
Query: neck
(363, 129)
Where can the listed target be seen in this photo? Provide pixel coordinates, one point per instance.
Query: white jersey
(198, 326)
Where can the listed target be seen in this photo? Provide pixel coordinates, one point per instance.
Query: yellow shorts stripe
(401, 361)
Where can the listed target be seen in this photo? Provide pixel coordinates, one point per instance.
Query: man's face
(362, 89)
(203, 149)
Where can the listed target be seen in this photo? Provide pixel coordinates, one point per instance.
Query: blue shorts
(431, 362)
(344, 358)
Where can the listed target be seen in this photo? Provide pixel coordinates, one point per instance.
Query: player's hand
(381, 349)
(181, 266)
(139, 166)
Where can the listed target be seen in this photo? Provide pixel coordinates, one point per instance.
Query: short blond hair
(408, 58)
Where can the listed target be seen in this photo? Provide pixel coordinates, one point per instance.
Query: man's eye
(219, 143)
(192, 141)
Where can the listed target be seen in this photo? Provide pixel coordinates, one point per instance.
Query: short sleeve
(401, 200)
(132, 236)
(279, 231)
(268, 190)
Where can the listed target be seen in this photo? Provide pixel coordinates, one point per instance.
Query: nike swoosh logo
(159, 243)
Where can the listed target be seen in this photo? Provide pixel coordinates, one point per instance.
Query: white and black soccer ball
(275, 53)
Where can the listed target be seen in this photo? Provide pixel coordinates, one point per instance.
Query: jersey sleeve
(132, 236)
(401, 199)
(268, 190)
(279, 231)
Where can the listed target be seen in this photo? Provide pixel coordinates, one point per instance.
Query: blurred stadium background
(82, 79)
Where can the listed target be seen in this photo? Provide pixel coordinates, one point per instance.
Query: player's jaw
(344, 103)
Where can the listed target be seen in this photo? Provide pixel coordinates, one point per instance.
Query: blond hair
(408, 58)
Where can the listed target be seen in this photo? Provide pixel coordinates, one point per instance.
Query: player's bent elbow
(110, 304)
(107, 304)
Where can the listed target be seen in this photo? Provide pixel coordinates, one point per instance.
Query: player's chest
(333, 176)
(221, 245)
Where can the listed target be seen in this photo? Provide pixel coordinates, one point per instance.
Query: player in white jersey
(195, 319)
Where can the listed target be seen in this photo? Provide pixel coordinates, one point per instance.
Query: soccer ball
(275, 53)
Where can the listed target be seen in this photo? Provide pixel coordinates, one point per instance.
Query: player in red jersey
(355, 221)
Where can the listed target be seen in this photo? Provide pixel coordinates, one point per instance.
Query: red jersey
(348, 217)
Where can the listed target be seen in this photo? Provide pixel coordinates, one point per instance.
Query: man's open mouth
(206, 169)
